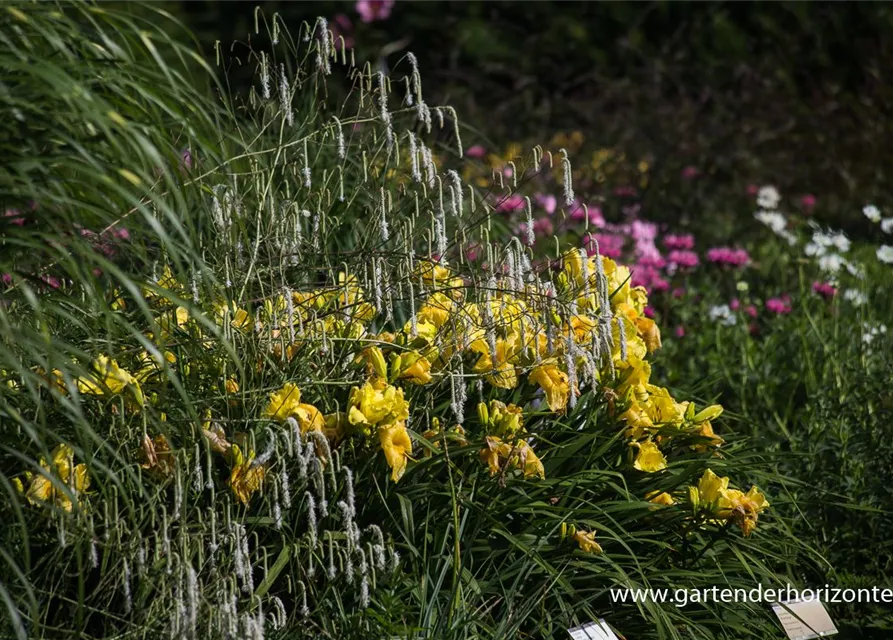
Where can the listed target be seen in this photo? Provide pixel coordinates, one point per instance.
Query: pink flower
(690, 172)
(650, 278)
(343, 27)
(511, 203)
(15, 214)
(51, 281)
(6, 278)
(679, 292)
(547, 202)
(372, 10)
(685, 242)
(808, 202)
(685, 259)
(751, 310)
(779, 305)
(543, 227)
(680, 331)
(824, 289)
(609, 245)
(476, 151)
(735, 304)
(752, 189)
(121, 233)
(624, 191)
(729, 256)
(649, 312)
(595, 215)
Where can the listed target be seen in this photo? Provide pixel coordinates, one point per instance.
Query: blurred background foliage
(790, 93)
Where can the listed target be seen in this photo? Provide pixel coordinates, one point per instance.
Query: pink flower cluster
(824, 289)
(372, 10)
(780, 305)
(684, 259)
(729, 256)
(735, 305)
(684, 242)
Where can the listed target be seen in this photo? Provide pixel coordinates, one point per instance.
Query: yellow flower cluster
(47, 486)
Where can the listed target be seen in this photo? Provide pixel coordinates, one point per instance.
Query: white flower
(772, 219)
(885, 254)
(840, 241)
(855, 296)
(723, 314)
(768, 197)
(873, 332)
(831, 263)
(814, 249)
(887, 225)
(790, 237)
(872, 213)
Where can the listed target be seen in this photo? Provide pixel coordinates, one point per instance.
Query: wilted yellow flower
(397, 446)
(650, 332)
(283, 403)
(378, 403)
(554, 383)
(649, 459)
(42, 489)
(746, 507)
(231, 385)
(522, 456)
(157, 456)
(586, 541)
(216, 438)
(245, 477)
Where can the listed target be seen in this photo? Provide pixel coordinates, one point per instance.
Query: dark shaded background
(787, 93)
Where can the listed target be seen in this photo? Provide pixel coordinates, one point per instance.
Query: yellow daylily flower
(661, 498)
(109, 376)
(650, 458)
(414, 367)
(245, 477)
(397, 446)
(711, 489)
(377, 403)
(554, 383)
(283, 403)
(309, 418)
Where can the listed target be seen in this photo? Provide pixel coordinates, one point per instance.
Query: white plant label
(803, 620)
(593, 631)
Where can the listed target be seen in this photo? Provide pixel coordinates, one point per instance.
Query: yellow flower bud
(708, 413)
(483, 414)
(377, 362)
